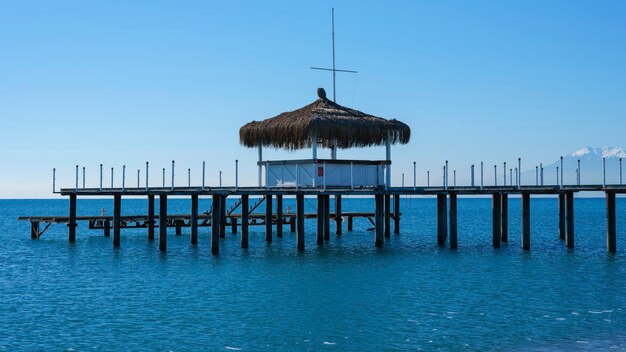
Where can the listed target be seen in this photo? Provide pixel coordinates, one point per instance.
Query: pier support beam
(300, 221)
(222, 214)
(504, 221)
(526, 221)
(163, 222)
(279, 216)
(215, 223)
(338, 220)
(396, 213)
(179, 227)
(151, 217)
(453, 222)
(117, 211)
(245, 200)
(268, 218)
(610, 223)
(569, 219)
(72, 221)
(350, 220)
(442, 221)
(107, 228)
(379, 218)
(496, 219)
(233, 225)
(194, 219)
(562, 216)
(326, 217)
(320, 220)
(34, 230)
(387, 215)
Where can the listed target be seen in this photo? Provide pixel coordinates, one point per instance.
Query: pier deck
(384, 211)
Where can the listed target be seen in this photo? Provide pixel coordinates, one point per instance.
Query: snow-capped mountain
(590, 167)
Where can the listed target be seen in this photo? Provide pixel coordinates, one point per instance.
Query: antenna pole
(334, 71)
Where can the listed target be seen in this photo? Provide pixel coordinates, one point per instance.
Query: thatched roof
(329, 121)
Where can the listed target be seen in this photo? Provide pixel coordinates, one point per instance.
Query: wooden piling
(292, 224)
(300, 221)
(215, 223)
(163, 222)
(387, 215)
(350, 220)
(34, 230)
(279, 216)
(610, 223)
(504, 220)
(233, 225)
(569, 219)
(526, 221)
(194, 219)
(72, 220)
(245, 200)
(268, 218)
(562, 216)
(179, 227)
(338, 220)
(453, 221)
(320, 220)
(117, 212)
(107, 228)
(151, 217)
(222, 214)
(326, 217)
(379, 218)
(396, 213)
(496, 219)
(442, 224)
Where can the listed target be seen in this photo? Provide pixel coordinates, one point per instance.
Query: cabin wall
(310, 174)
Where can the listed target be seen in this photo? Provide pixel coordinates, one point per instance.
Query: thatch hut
(324, 123)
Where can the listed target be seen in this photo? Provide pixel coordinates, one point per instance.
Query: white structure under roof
(326, 124)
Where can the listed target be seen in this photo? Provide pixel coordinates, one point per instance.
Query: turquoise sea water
(348, 295)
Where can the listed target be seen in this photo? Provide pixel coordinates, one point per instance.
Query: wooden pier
(219, 218)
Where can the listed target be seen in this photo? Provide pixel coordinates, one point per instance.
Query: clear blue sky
(123, 82)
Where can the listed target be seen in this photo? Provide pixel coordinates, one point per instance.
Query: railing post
(172, 175)
(112, 178)
(54, 180)
(100, 177)
(236, 175)
(562, 170)
(446, 175)
(123, 178)
(76, 186)
(519, 172)
(147, 166)
(83, 177)
(495, 175)
(414, 176)
(203, 174)
(481, 175)
(188, 177)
